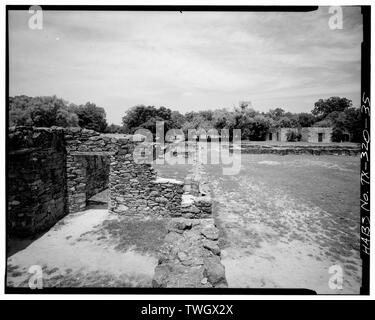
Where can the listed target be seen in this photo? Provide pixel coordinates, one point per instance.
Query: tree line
(335, 112)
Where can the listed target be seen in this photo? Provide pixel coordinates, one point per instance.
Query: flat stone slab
(165, 180)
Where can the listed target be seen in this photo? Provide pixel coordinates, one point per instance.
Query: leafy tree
(260, 128)
(306, 119)
(324, 123)
(207, 115)
(323, 108)
(223, 119)
(347, 122)
(277, 113)
(114, 128)
(293, 136)
(90, 116)
(177, 120)
(40, 112)
(145, 117)
(283, 122)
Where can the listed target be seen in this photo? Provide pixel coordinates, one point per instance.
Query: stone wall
(76, 164)
(191, 255)
(135, 189)
(280, 134)
(36, 169)
(311, 134)
(94, 173)
(296, 148)
(54, 171)
(196, 201)
(308, 134)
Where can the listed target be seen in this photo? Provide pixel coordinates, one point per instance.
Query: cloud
(187, 61)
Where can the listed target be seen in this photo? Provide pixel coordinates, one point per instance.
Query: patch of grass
(145, 236)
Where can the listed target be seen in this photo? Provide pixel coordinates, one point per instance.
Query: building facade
(308, 134)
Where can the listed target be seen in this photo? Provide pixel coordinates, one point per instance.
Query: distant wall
(135, 189)
(36, 180)
(311, 134)
(191, 255)
(297, 148)
(279, 134)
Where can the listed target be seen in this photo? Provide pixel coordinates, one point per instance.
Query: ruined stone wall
(89, 158)
(196, 201)
(190, 255)
(94, 161)
(296, 148)
(36, 171)
(308, 134)
(73, 164)
(311, 134)
(135, 189)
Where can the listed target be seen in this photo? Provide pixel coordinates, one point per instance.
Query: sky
(187, 61)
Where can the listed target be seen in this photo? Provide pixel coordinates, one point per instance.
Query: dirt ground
(92, 248)
(285, 220)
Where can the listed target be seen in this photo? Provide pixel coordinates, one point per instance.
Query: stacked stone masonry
(301, 149)
(54, 171)
(190, 255)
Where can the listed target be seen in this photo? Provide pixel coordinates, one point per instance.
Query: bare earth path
(92, 248)
(285, 220)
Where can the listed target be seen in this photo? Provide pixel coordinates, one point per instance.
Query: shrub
(293, 136)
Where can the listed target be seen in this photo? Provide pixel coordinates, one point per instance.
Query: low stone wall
(145, 194)
(196, 201)
(76, 164)
(191, 256)
(36, 172)
(54, 171)
(298, 149)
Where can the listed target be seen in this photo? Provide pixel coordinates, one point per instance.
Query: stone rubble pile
(191, 256)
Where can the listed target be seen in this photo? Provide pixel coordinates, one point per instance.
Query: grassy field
(285, 220)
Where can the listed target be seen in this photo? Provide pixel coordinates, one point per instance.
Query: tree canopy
(323, 108)
(52, 111)
(40, 112)
(90, 116)
(335, 112)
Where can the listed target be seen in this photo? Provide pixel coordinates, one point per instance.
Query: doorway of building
(320, 137)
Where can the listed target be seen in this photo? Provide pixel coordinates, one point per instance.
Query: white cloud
(186, 61)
